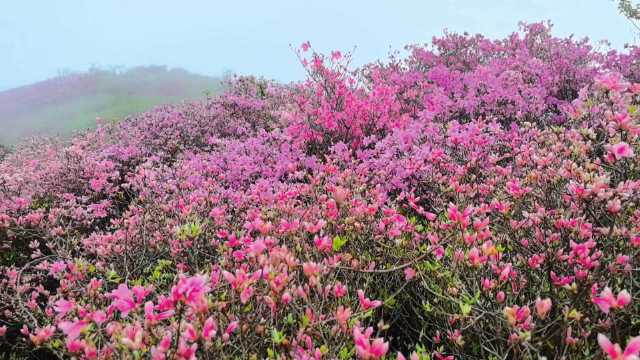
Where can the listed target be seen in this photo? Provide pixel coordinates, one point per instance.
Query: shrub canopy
(477, 198)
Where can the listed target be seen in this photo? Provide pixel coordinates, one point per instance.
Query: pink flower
(42, 335)
(151, 317)
(340, 194)
(123, 299)
(286, 298)
(99, 317)
(366, 303)
(132, 337)
(615, 352)
(75, 346)
(305, 46)
(190, 333)
(231, 328)
(342, 315)
(158, 352)
(409, 273)
(63, 306)
(94, 284)
(141, 292)
(611, 81)
(621, 150)
(517, 315)
(543, 306)
(323, 243)
(339, 290)
(414, 356)
(90, 352)
(311, 269)
(192, 291)
(246, 294)
(236, 281)
(257, 247)
(614, 206)
(367, 349)
(607, 300)
(57, 267)
(97, 184)
(462, 218)
(438, 252)
(72, 328)
(187, 352)
(209, 329)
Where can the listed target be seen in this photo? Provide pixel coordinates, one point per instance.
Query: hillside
(68, 103)
(475, 199)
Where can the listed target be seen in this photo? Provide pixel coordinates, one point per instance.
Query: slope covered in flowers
(476, 199)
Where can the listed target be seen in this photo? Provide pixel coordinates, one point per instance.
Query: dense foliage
(475, 199)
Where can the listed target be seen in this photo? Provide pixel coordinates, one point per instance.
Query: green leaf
(112, 276)
(465, 309)
(289, 320)
(305, 321)
(426, 307)
(277, 337)
(338, 242)
(346, 353)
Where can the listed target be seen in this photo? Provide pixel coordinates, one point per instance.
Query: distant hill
(69, 103)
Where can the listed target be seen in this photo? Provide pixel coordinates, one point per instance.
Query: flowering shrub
(477, 199)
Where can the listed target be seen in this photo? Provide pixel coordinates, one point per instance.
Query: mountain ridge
(62, 105)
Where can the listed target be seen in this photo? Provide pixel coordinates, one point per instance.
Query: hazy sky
(40, 38)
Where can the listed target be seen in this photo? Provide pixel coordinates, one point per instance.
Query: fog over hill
(72, 102)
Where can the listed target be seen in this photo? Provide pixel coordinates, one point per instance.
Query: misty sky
(39, 38)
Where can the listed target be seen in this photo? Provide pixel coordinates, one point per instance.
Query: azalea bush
(476, 198)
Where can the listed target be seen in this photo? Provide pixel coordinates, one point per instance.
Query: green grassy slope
(70, 103)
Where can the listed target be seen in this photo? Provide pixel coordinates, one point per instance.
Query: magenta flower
(246, 294)
(123, 299)
(611, 81)
(366, 303)
(409, 273)
(621, 150)
(543, 306)
(72, 329)
(614, 351)
(187, 352)
(367, 349)
(209, 329)
(63, 306)
(342, 315)
(150, 315)
(191, 291)
(323, 243)
(607, 300)
(42, 335)
(339, 290)
(99, 317)
(132, 337)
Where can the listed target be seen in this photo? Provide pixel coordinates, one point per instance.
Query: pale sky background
(39, 38)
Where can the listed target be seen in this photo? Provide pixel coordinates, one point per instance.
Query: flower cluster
(475, 199)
